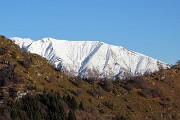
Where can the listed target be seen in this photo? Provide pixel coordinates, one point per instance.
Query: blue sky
(151, 27)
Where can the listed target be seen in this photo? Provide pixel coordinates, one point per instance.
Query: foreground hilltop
(31, 88)
(91, 59)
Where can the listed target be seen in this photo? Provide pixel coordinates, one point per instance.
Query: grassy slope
(128, 99)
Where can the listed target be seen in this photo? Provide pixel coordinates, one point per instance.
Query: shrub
(26, 62)
(4, 50)
(109, 104)
(107, 85)
(14, 55)
(16, 78)
(141, 83)
(165, 103)
(51, 79)
(137, 83)
(89, 80)
(7, 74)
(151, 93)
(31, 87)
(129, 87)
(77, 82)
(12, 92)
(77, 92)
(95, 92)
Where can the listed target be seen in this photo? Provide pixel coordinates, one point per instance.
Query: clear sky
(151, 27)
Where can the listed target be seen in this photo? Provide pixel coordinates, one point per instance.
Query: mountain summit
(91, 59)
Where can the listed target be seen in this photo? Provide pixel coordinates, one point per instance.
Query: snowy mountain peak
(91, 58)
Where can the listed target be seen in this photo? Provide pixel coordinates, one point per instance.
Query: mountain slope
(26, 78)
(91, 58)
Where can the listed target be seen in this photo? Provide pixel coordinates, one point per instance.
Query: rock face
(91, 58)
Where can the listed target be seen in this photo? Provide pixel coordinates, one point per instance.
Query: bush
(129, 87)
(77, 92)
(89, 80)
(26, 62)
(137, 83)
(16, 78)
(4, 50)
(51, 79)
(95, 92)
(109, 104)
(31, 87)
(151, 93)
(77, 82)
(107, 85)
(14, 55)
(7, 74)
(166, 103)
(12, 92)
(141, 83)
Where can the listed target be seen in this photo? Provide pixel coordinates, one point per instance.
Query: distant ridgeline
(91, 59)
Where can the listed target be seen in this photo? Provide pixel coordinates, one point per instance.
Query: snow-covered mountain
(91, 58)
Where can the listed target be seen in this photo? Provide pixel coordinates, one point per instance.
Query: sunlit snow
(91, 58)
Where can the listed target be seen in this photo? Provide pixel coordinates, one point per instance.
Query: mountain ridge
(31, 81)
(91, 58)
